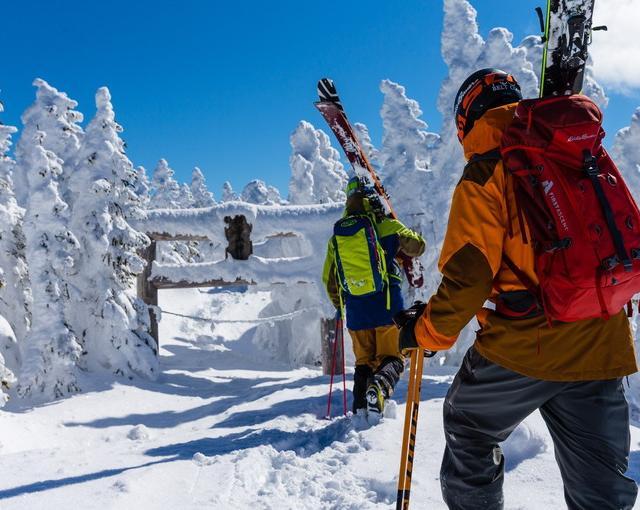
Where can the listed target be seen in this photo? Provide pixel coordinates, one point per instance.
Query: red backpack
(583, 222)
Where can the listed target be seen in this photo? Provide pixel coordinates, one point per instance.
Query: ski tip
(327, 92)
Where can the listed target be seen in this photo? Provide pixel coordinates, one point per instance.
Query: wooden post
(327, 337)
(148, 292)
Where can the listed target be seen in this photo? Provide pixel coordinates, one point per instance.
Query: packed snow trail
(226, 427)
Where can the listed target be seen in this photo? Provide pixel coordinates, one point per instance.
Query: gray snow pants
(588, 421)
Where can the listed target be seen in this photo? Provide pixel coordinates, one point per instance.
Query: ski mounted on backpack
(566, 36)
(331, 109)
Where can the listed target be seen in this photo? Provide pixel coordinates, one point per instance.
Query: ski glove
(405, 321)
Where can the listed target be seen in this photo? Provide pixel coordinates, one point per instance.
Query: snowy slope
(224, 428)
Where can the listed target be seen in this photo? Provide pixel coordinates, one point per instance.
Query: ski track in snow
(224, 428)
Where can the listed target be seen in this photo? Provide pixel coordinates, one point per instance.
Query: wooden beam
(163, 236)
(161, 283)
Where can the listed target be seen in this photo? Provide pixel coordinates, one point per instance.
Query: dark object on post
(238, 234)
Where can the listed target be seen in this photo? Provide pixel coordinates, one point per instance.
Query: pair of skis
(567, 30)
(332, 110)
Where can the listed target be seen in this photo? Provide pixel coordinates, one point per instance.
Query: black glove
(405, 321)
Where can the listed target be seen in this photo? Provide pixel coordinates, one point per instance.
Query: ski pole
(344, 371)
(333, 366)
(410, 426)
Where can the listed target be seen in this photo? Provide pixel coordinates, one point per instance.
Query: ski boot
(376, 396)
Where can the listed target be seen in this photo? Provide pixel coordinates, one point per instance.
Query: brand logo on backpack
(581, 138)
(546, 186)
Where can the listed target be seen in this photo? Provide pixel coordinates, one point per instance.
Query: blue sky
(221, 85)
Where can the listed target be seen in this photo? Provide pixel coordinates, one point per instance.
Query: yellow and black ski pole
(410, 426)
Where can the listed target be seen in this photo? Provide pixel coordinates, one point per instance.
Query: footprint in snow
(139, 433)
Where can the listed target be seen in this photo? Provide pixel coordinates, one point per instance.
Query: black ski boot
(361, 377)
(383, 382)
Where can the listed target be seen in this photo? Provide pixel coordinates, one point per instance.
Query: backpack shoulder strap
(492, 155)
(478, 172)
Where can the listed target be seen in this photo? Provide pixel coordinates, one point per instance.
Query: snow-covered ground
(224, 428)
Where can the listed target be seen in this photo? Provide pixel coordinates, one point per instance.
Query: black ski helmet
(485, 89)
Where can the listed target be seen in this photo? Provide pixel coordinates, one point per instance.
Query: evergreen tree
(373, 154)
(202, 197)
(50, 349)
(53, 113)
(258, 192)
(186, 198)
(165, 190)
(317, 175)
(15, 295)
(626, 154)
(406, 150)
(109, 320)
(14, 312)
(143, 187)
(228, 195)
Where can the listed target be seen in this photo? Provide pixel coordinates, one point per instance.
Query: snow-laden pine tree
(9, 359)
(228, 195)
(54, 114)
(111, 323)
(626, 153)
(258, 192)
(317, 175)
(202, 197)
(186, 197)
(405, 155)
(50, 349)
(143, 187)
(15, 295)
(165, 190)
(14, 312)
(373, 154)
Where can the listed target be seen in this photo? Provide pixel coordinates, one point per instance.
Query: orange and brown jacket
(474, 272)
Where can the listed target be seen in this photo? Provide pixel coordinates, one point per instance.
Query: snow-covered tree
(373, 154)
(258, 192)
(165, 190)
(15, 295)
(9, 359)
(109, 320)
(202, 197)
(143, 187)
(317, 175)
(50, 349)
(228, 195)
(626, 153)
(405, 155)
(53, 113)
(186, 197)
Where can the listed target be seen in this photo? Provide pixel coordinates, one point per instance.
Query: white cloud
(616, 53)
